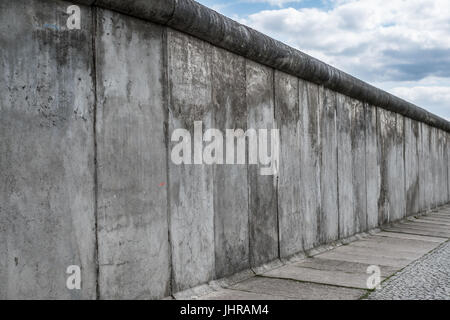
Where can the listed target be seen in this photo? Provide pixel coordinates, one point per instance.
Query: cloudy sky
(401, 46)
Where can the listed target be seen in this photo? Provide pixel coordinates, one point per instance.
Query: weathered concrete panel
(345, 167)
(191, 187)
(310, 198)
(391, 202)
(439, 178)
(399, 200)
(425, 178)
(351, 166)
(443, 184)
(359, 166)
(412, 138)
(289, 206)
(433, 171)
(440, 182)
(444, 163)
(230, 180)
(329, 213)
(134, 261)
(372, 167)
(263, 221)
(47, 217)
(447, 164)
(428, 175)
(385, 133)
(438, 164)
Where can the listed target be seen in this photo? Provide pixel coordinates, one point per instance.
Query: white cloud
(395, 41)
(435, 97)
(277, 3)
(422, 93)
(220, 6)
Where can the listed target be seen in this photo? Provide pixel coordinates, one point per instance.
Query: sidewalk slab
(335, 278)
(367, 259)
(388, 252)
(439, 215)
(228, 294)
(423, 227)
(411, 246)
(398, 235)
(406, 229)
(443, 222)
(426, 226)
(344, 266)
(298, 290)
(440, 218)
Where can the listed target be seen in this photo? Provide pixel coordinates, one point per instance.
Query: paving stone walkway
(410, 267)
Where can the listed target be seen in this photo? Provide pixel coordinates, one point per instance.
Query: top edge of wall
(204, 23)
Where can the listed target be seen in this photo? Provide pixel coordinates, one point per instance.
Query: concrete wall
(47, 169)
(87, 178)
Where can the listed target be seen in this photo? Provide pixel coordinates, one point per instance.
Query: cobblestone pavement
(426, 279)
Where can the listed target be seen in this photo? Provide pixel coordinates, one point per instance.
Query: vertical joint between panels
(166, 109)
(277, 177)
(337, 166)
(94, 79)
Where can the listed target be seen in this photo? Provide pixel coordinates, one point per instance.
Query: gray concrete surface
(191, 187)
(392, 200)
(289, 185)
(328, 219)
(425, 176)
(443, 168)
(87, 177)
(411, 158)
(263, 219)
(309, 163)
(351, 166)
(131, 157)
(373, 170)
(231, 210)
(47, 200)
